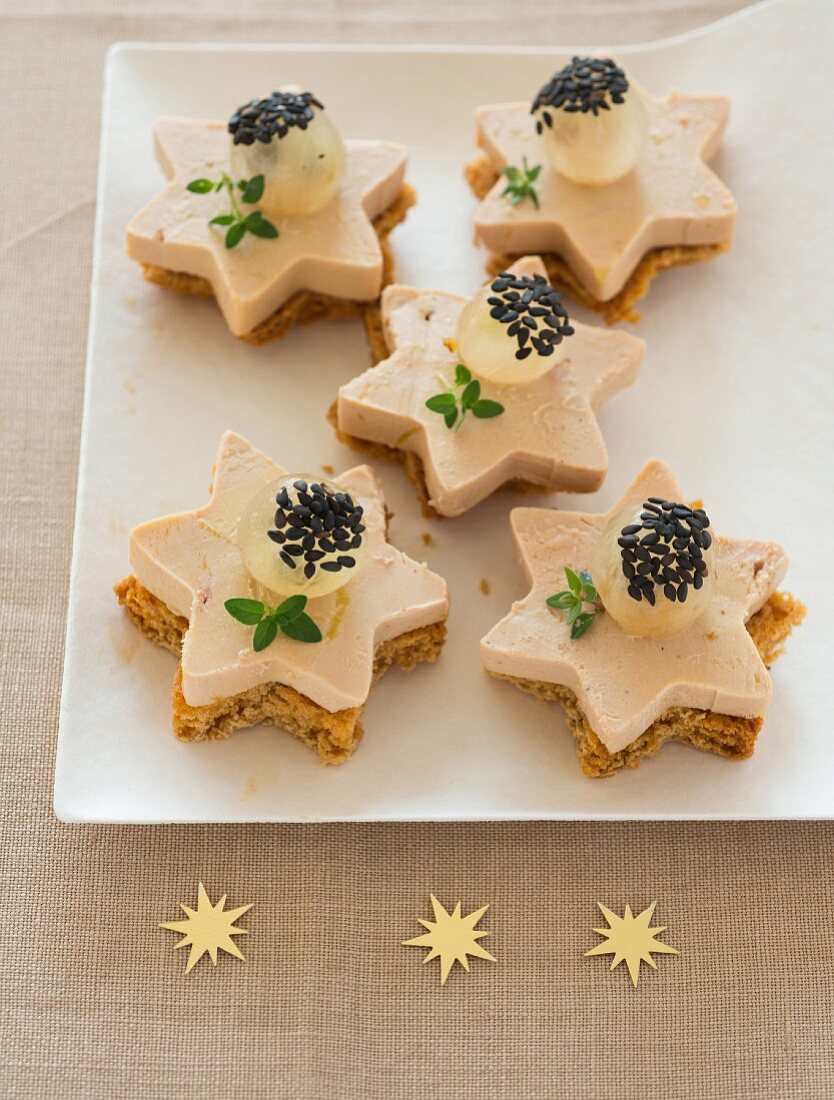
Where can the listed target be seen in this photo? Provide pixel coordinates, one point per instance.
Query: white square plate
(735, 393)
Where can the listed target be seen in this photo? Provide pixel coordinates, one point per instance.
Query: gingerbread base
(707, 730)
(305, 306)
(332, 735)
(481, 177)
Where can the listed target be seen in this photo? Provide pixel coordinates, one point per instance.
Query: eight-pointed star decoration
(192, 563)
(208, 929)
(622, 682)
(451, 938)
(335, 251)
(631, 940)
(670, 198)
(547, 435)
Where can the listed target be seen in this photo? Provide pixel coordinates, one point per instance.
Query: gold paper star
(451, 938)
(208, 929)
(630, 939)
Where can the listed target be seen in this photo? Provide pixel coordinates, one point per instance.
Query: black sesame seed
(584, 85)
(670, 553)
(522, 312)
(330, 566)
(260, 119)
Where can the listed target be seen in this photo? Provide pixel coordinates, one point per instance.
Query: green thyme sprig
(288, 617)
(454, 407)
(238, 224)
(520, 183)
(580, 591)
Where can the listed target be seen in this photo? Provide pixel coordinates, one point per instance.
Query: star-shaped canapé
(670, 198)
(192, 563)
(547, 435)
(623, 683)
(333, 252)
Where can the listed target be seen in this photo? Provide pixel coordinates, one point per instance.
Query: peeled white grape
(486, 348)
(597, 148)
(262, 555)
(302, 171)
(666, 617)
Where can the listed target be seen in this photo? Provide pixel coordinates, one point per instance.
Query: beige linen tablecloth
(328, 1004)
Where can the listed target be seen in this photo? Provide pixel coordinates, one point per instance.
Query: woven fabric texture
(329, 1004)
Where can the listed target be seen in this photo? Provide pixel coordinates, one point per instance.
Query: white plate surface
(736, 393)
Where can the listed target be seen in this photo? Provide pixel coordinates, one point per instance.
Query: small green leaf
(222, 219)
(450, 417)
(574, 583)
(265, 634)
(581, 623)
(485, 410)
(462, 375)
(589, 592)
(574, 612)
(561, 601)
(257, 224)
(291, 608)
(533, 173)
(200, 187)
(235, 234)
(302, 629)
(245, 611)
(254, 189)
(471, 394)
(441, 402)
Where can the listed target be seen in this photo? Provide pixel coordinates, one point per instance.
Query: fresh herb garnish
(238, 224)
(454, 407)
(288, 617)
(580, 591)
(520, 183)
